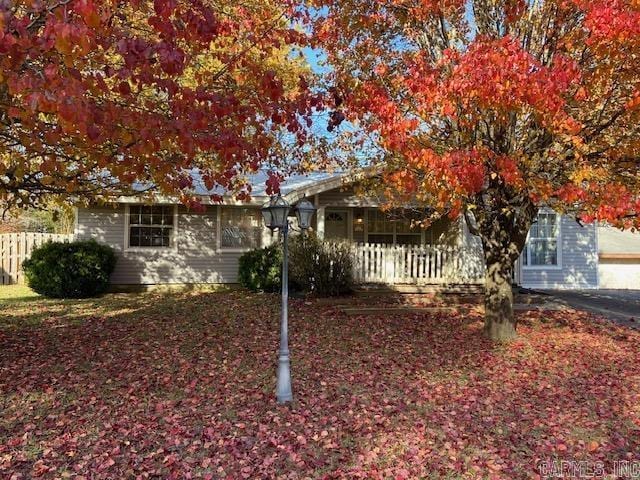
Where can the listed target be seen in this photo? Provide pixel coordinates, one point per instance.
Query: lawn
(181, 385)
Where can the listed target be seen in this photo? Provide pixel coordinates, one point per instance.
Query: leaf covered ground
(181, 385)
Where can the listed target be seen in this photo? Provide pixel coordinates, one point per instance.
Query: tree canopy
(494, 108)
(98, 96)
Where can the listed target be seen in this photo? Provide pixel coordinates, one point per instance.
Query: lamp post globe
(304, 213)
(275, 213)
(280, 209)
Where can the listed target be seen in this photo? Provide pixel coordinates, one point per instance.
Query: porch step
(390, 310)
(457, 309)
(428, 289)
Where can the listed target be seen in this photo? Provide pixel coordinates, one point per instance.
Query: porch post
(319, 217)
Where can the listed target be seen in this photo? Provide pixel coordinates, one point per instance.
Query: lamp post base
(283, 388)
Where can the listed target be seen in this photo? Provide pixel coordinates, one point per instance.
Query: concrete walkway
(621, 306)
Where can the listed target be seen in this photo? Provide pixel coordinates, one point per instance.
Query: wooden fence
(15, 247)
(416, 264)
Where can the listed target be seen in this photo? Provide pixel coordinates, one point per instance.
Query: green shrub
(70, 270)
(260, 269)
(320, 268)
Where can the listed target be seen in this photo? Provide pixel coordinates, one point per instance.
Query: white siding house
(165, 243)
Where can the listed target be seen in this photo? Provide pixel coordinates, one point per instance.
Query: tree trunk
(501, 217)
(499, 321)
(503, 229)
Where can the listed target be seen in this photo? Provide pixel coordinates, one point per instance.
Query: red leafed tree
(99, 95)
(492, 109)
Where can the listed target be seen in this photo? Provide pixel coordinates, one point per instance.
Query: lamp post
(276, 217)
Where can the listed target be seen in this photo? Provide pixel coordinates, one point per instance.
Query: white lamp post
(275, 215)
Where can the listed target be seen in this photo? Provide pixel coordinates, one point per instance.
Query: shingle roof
(612, 240)
(259, 179)
(294, 187)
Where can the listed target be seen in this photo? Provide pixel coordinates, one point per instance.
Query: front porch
(415, 264)
(391, 249)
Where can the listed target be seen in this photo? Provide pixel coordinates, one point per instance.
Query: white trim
(320, 225)
(527, 252)
(76, 224)
(254, 201)
(320, 212)
(174, 232)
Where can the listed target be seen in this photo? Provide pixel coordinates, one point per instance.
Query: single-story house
(165, 243)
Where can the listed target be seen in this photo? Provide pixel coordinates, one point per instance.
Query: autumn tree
(493, 109)
(103, 97)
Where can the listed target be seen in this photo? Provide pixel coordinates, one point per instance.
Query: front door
(336, 225)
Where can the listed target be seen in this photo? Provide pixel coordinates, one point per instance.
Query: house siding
(345, 197)
(578, 263)
(195, 258)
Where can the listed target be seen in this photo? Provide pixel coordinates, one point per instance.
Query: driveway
(621, 306)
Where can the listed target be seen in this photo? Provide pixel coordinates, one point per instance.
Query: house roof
(612, 241)
(293, 187)
(288, 186)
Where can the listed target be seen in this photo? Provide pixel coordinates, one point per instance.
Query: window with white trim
(542, 245)
(240, 228)
(151, 226)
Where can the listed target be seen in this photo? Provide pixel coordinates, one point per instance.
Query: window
(383, 230)
(240, 228)
(151, 225)
(380, 228)
(542, 244)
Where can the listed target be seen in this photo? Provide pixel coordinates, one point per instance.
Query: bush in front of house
(70, 270)
(260, 269)
(320, 268)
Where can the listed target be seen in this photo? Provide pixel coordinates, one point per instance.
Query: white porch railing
(415, 264)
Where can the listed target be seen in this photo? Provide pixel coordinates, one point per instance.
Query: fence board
(17, 247)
